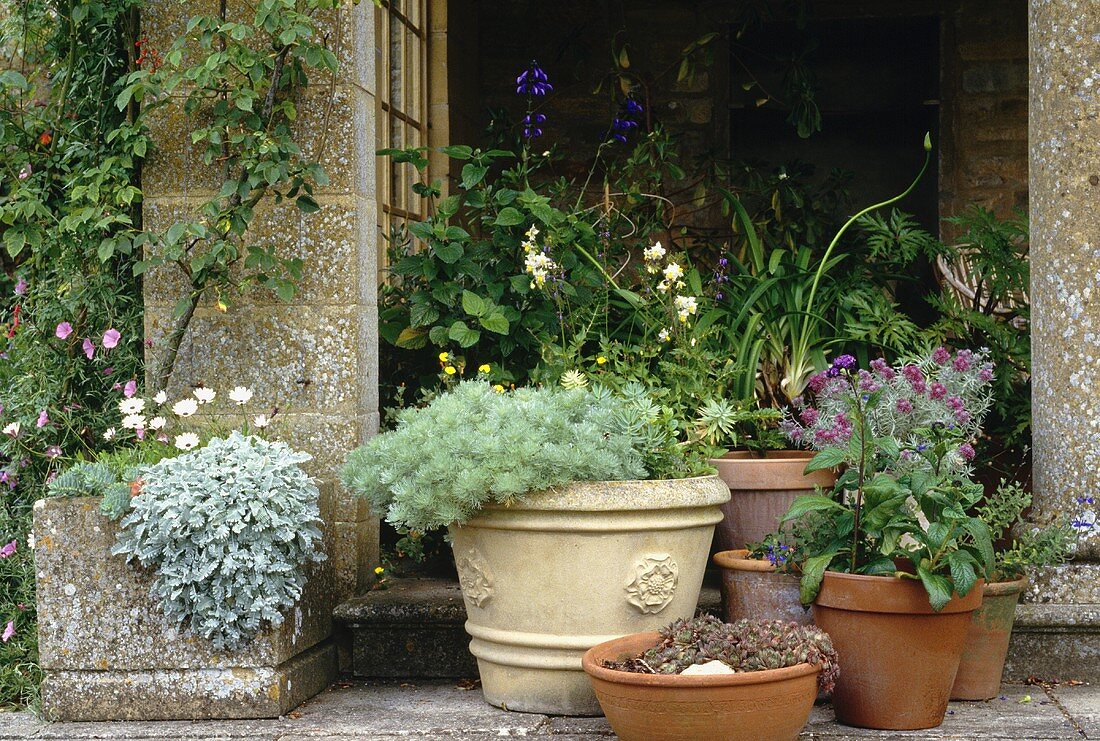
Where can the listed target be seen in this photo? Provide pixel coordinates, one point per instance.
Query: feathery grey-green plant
(229, 529)
(474, 446)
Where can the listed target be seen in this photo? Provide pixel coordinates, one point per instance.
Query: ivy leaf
(463, 335)
(495, 322)
(509, 217)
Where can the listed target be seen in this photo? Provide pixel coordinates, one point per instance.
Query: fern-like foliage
(229, 529)
(94, 479)
(473, 446)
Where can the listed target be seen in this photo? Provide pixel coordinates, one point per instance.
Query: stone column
(315, 357)
(1061, 628)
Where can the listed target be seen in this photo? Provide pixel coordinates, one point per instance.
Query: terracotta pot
(771, 704)
(898, 658)
(983, 657)
(549, 576)
(761, 491)
(751, 588)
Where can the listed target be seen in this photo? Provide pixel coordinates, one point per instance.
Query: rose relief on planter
(559, 538)
(895, 558)
(705, 679)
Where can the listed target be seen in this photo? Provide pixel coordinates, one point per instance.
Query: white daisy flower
(205, 395)
(134, 405)
(133, 422)
(160, 398)
(185, 407)
(12, 429)
(157, 423)
(187, 441)
(109, 434)
(240, 395)
(261, 421)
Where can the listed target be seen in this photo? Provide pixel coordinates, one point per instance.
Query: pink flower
(111, 338)
(43, 418)
(817, 382)
(25, 171)
(962, 416)
(966, 450)
(955, 403)
(879, 366)
(21, 288)
(937, 390)
(130, 388)
(9, 631)
(941, 355)
(962, 360)
(986, 373)
(53, 451)
(809, 415)
(904, 406)
(8, 550)
(89, 348)
(63, 330)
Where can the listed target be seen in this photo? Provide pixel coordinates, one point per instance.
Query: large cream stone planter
(547, 578)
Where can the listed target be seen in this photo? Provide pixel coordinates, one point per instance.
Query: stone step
(1055, 642)
(415, 630)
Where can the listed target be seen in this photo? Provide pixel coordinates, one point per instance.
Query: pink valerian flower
(64, 329)
(9, 631)
(8, 550)
(130, 388)
(111, 338)
(937, 390)
(966, 450)
(89, 348)
(941, 356)
(915, 377)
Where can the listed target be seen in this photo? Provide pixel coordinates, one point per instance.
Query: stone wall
(315, 357)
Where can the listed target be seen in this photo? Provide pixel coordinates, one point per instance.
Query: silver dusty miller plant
(744, 646)
(229, 529)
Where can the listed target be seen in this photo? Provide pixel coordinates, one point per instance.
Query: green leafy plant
(903, 504)
(744, 646)
(1020, 544)
(229, 529)
(473, 446)
(93, 480)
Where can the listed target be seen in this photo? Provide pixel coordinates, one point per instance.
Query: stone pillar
(315, 357)
(1060, 630)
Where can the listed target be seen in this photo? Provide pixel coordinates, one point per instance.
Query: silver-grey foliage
(229, 529)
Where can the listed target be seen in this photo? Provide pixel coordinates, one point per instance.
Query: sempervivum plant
(744, 646)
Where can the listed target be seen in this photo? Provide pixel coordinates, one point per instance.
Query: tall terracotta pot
(983, 657)
(898, 658)
(753, 589)
(771, 704)
(762, 488)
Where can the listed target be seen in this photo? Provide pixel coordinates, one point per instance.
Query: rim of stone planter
(740, 560)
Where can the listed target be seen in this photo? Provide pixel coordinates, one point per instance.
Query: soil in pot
(753, 589)
(762, 488)
(983, 656)
(898, 658)
(749, 706)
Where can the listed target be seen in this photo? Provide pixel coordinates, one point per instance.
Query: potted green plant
(761, 582)
(705, 679)
(1021, 546)
(568, 521)
(173, 560)
(900, 561)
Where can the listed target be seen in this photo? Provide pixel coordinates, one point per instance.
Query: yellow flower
(378, 570)
(444, 357)
(449, 370)
(498, 388)
(484, 368)
(601, 360)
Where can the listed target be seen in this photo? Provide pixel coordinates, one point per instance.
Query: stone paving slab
(442, 710)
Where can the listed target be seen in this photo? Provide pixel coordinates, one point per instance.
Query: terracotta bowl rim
(592, 667)
(738, 560)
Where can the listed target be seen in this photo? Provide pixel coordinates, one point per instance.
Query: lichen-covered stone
(101, 629)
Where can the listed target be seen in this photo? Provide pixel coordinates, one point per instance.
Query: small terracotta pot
(983, 656)
(771, 704)
(762, 489)
(753, 589)
(897, 657)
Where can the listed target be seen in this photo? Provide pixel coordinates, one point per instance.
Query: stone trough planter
(547, 578)
(108, 652)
